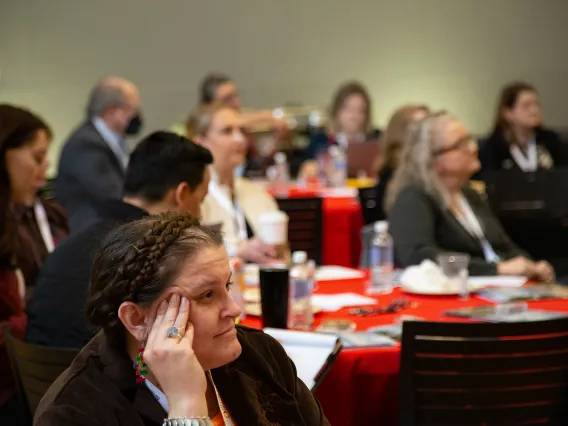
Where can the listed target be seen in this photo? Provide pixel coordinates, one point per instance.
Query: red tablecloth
(361, 388)
(342, 222)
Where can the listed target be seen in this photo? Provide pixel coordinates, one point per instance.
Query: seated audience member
(160, 292)
(432, 210)
(219, 88)
(392, 142)
(234, 202)
(166, 172)
(351, 121)
(94, 158)
(29, 228)
(518, 140)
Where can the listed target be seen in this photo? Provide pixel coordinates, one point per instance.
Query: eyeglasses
(393, 307)
(465, 142)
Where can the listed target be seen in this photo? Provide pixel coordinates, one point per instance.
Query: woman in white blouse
(234, 202)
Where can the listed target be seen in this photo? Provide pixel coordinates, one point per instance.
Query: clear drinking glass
(455, 268)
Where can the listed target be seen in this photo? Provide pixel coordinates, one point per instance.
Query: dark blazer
(384, 177)
(494, 151)
(421, 230)
(65, 277)
(89, 173)
(100, 389)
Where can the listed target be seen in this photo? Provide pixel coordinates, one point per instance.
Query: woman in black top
(518, 140)
(431, 209)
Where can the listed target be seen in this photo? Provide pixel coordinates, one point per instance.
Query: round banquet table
(361, 388)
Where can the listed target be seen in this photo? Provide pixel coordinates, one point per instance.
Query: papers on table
(496, 281)
(358, 339)
(312, 353)
(529, 293)
(335, 302)
(331, 273)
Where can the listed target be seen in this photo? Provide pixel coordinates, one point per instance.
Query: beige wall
(453, 54)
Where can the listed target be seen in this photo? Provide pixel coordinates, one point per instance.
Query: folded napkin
(427, 278)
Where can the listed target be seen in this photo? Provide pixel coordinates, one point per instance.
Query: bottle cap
(381, 226)
(280, 158)
(299, 257)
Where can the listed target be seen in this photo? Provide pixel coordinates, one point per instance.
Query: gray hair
(104, 96)
(415, 168)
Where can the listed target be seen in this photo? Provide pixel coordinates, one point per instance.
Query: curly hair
(138, 261)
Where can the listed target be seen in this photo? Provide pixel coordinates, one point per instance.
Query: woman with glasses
(432, 209)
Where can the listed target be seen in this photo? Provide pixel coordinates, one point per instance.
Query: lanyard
(43, 225)
(528, 163)
(161, 398)
(471, 224)
(221, 194)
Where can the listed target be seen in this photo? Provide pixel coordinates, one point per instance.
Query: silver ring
(173, 332)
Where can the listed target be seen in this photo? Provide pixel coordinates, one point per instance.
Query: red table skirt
(342, 223)
(341, 240)
(361, 387)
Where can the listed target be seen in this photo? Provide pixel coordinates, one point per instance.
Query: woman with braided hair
(160, 294)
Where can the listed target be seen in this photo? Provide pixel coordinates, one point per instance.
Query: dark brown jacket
(99, 389)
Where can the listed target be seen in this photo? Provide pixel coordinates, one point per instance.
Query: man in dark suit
(94, 159)
(166, 172)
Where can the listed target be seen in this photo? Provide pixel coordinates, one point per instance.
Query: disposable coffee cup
(273, 227)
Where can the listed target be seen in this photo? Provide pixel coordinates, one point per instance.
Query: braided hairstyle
(138, 261)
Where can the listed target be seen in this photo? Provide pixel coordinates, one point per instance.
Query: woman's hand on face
(544, 271)
(254, 250)
(517, 266)
(173, 362)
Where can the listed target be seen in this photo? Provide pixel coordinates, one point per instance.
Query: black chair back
(305, 226)
(35, 367)
(484, 374)
(369, 203)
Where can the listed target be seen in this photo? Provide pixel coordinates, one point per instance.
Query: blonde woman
(432, 210)
(392, 143)
(234, 202)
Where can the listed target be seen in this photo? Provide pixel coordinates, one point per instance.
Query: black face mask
(134, 125)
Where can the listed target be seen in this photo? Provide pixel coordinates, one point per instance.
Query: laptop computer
(361, 157)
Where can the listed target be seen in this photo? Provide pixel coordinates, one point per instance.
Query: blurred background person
(234, 202)
(166, 172)
(30, 228)
(351, 120)
(220, 88)
(518, 140)
(432, 210)
(392, 143)
(94, 159)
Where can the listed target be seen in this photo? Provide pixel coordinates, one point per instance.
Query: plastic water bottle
(301, 285)
(281, 174)
(381, 260)
(339, 162)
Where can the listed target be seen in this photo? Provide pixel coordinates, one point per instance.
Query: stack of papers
(335, 302)
(312, 353)
(331, 273)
